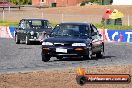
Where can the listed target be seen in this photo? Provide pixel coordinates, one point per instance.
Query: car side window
(22, 24)
(94, 30)
(55, 30)
(28, 24)
(48, 24)
(89, 30)
(95, 33)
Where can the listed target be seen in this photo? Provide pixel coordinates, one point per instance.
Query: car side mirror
(100, 35)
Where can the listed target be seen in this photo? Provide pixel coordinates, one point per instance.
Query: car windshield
(70, 30)
(37, 24)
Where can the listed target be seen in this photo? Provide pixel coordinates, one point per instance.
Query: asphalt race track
(21, 57)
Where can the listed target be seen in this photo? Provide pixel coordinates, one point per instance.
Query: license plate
(61, 50)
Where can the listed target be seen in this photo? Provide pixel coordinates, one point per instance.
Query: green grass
(15, 24)
(4, 23)
(54, 23)
(119, 27)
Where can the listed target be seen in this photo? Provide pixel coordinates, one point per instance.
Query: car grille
(39, 34)
(35, 34)
(62, 44)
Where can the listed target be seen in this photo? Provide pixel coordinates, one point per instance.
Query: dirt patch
(88, 10)
(90, 13)
(60, 78)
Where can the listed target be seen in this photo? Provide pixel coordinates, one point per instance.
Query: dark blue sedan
(73, 40)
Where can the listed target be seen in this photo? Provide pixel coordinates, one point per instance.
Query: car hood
(64, 39)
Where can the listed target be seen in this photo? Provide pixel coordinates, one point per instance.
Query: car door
(96, 39)
(19, 30)
(22, 29)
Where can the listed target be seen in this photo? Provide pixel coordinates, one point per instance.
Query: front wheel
(16, 39)
(89, 55)
(45, 58)
(101, 53)
(27, 40)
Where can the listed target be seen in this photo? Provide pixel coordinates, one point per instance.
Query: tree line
(21, 2)
(87, 1)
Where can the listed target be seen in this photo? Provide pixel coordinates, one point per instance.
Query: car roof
(34, 19)
(77, 23)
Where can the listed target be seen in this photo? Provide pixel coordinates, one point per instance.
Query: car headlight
(32, 33)
(47, 43)
(78, 44)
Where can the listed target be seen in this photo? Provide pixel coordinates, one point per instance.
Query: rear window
(38, 23)
(35, 23)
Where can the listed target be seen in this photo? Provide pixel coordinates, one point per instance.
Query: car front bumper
(68, 51)
(37, 40)
(33, 38)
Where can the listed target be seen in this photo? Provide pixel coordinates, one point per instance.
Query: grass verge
(5, 23)
(112, 27)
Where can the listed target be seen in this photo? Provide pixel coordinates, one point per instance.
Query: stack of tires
(112, 17)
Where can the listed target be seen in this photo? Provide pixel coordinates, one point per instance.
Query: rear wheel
(27, 40)
(16, 39)
(45, 58)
